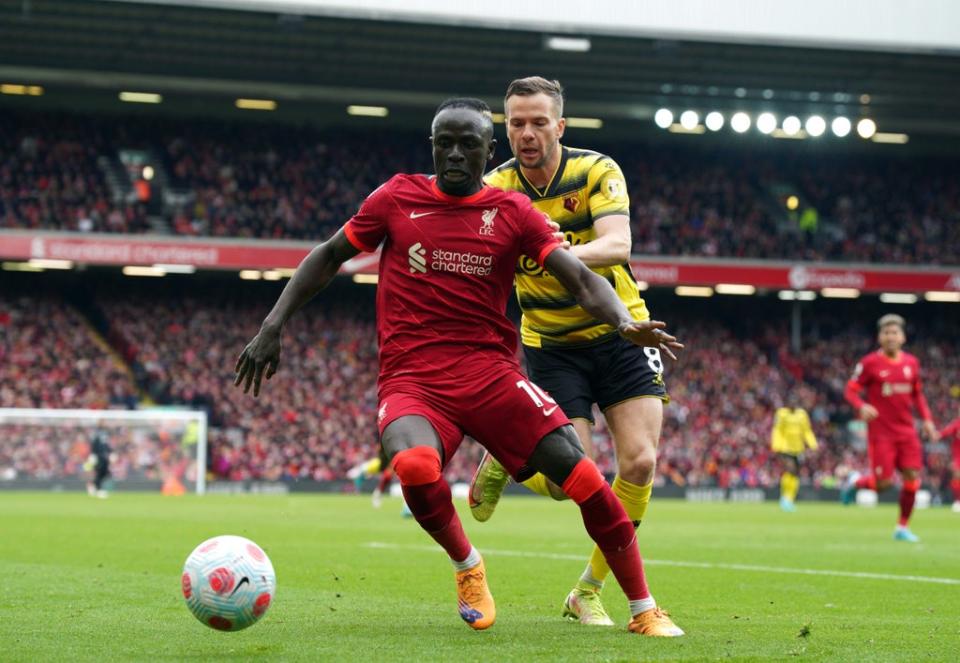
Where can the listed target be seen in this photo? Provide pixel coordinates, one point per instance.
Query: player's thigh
(565, 374)
(409, 420)
(625, 373)
(909, 457)
(883, 458)
(584, 430)
(635, 425)
(508, 414)
(791, 462)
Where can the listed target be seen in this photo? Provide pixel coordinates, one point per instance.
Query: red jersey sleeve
(368, 227)
(918, 398)
(857, 383)
(952, 429)
(536, 236)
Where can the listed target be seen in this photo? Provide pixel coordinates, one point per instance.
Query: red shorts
(889, 454)
(491, 401)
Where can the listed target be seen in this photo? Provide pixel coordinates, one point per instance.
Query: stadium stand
(316, 418)
(275, 181)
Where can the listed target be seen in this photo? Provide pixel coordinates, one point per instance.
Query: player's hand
(868, 412)
(930, 430)
(557, 235)
(651, 334)
(258, 360)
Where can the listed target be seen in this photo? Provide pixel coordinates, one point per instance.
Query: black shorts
(607, 373)
(790, 460)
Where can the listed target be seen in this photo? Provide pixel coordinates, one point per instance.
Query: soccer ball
(228, 582)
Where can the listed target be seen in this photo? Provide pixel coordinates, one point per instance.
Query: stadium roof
(298, 59)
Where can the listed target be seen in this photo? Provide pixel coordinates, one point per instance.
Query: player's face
(891, 338)
(462, 145)
(534, 128)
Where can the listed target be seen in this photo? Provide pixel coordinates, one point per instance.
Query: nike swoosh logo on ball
(245, 580)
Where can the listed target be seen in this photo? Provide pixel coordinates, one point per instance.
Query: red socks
(428, 496)
(608, 525)
(908, 495)
(386, 478)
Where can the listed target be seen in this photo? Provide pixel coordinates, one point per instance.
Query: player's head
(534, 113)
(891, 332)
(462, 138)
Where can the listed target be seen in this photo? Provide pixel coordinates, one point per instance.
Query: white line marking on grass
(695, 565)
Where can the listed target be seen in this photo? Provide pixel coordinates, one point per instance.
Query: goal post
(150, 444)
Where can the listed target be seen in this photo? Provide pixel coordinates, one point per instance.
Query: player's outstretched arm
(262, 355)
(598, 298)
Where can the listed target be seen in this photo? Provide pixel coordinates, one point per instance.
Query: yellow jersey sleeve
(776, 436)
(808, 436)
(607, 189)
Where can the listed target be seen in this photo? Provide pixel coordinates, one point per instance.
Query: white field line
(696, 565)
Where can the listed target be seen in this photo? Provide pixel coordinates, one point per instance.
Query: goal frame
(90, 417)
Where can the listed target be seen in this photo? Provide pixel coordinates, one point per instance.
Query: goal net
(150, 449)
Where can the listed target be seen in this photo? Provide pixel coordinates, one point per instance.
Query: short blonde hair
(892, 319)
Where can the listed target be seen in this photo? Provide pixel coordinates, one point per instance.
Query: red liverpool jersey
(951, 436)
(893, 387)
(446, 271)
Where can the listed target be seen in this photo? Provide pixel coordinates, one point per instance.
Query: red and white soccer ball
(228, 582)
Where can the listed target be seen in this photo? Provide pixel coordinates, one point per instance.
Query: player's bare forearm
(593, 292)
(612, 245)
(598, 298)
(603, 252)
(312, 275)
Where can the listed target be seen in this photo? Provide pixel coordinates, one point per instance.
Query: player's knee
(638, 467)
(557, 454)
(417, 466)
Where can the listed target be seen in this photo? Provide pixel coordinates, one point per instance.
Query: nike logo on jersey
(417, 215)
(548, 412)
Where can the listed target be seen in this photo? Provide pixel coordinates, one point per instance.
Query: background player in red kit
(891, 378)
(951, 435)
(448, 352)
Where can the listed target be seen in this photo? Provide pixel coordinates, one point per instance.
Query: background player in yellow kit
(576, 358)
(792, 434)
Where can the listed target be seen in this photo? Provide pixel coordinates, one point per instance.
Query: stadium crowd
(50, 178)
(316, 418)
(273, 181)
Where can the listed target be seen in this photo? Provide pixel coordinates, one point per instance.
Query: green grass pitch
(99, 580)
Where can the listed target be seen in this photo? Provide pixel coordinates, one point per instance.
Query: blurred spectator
(296, 182)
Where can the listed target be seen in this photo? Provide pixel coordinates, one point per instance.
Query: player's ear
(561, 125)
(493, 147)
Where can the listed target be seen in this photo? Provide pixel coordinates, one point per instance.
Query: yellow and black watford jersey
(792, 431)
(586, 187)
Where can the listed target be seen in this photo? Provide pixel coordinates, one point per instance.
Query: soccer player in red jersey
(448, 362)
(891, 378)
(951, 434)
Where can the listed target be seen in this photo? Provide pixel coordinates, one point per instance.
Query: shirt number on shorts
(538, 396)
(653, 360)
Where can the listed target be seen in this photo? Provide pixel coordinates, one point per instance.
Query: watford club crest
(571, 204)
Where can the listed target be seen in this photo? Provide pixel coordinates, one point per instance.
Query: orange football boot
(655, 623)
(474, 599)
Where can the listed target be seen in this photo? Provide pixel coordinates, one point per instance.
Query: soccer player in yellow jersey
(576, 358)
(790, 437)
